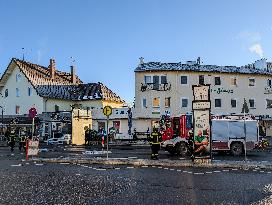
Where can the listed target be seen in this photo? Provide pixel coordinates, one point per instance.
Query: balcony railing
(155, 86)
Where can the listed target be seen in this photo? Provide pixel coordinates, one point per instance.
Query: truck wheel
(182, 149)
(236, 148)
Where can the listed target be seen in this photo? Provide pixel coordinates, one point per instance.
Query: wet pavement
(30, 183)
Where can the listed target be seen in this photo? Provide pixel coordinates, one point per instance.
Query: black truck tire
(236, 148)
(182, 149)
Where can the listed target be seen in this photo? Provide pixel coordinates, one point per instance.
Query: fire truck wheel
(236, 148)
(182, 149)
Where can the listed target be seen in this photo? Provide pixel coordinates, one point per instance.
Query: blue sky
(106, 37)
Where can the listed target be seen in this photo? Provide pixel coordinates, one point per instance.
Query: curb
(163, 162)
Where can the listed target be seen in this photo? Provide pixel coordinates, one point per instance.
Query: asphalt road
(30, 183)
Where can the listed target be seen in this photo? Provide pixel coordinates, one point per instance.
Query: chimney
(52, 68)
(141, 60)
(73, 74)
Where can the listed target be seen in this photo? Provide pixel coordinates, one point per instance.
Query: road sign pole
(32, 128)
(107, 137)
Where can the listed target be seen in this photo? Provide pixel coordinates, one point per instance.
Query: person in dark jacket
(155, 140)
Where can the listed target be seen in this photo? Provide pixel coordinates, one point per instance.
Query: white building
(166, 88)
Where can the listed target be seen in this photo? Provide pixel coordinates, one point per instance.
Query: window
(183, 80)
(6, 93)
(156, 82)
(144, 103)
(233, 81)
(251, 103)
(116, 126)
(201, 80)
(147, 79)
(269, 82)
(233, 103)
(217, 81)
(56, 108)
(251, 82)
(268, 103)
(17, 92)
(17, 110)
(29, 91)
(163, 79)
(18, 77)
(167, 102)
(184, 102)
(156, 102)
(217, 102)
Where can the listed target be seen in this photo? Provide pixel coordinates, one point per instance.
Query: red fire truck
(228, 134)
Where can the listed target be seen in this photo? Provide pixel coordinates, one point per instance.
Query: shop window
(17, 110)
(116, 126)
(156, 102)
(167, 102)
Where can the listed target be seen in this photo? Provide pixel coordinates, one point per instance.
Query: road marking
(225, 170)
(159, 167)
(117, 168)
(184, 171)
(132, 157)
(39, 164)
(90, 167)
(27, 163)
(84, 166)
(189, 172)
(234, 169)
(77, 174)
(254, 170)
(268, 172)
(166, 168)
(216, 171)
(130, 167)
(153, 166)
(16, 165)
(171, 169)
(64, 163)
(262, 171)
(178, 170)
(100, 169)
(144, 166)
(196, 173)
(208, 172)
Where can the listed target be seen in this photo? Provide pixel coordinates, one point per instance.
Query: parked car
(52, 141)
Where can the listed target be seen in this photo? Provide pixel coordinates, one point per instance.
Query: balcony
(155, 86)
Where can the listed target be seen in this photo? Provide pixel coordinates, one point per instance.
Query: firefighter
(155, 141)
(22, 141)
(12, 138)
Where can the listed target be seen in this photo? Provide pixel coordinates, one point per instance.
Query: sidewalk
(245, 165)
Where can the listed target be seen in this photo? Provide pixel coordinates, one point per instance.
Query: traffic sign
(32, 112)
(107, 110)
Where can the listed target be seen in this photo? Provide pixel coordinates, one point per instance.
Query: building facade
(166, 88)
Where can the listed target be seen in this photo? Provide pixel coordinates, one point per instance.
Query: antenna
(23, 50)
(72, 61)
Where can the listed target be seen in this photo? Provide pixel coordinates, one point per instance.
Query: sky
(106, 38)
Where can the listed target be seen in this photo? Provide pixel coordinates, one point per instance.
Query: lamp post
(2, 117)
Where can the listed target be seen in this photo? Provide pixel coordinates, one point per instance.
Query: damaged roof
(61, 86)
(158, 66)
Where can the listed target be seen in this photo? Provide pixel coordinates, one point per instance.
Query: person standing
(22, 141)
(12, 138)
(155, 141)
